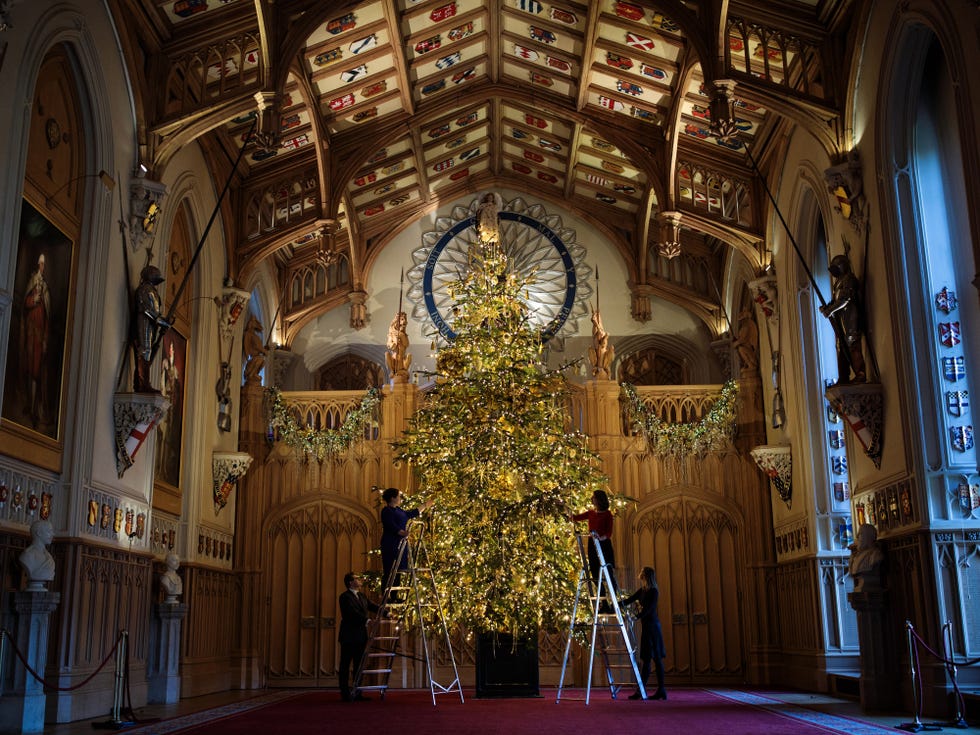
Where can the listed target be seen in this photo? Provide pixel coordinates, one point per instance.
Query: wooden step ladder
(611, 632)
(416, 591)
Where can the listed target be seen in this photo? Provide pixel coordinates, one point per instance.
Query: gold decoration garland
(678, 440)
(328, 442)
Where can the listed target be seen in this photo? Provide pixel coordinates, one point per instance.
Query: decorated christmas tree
(492, 450)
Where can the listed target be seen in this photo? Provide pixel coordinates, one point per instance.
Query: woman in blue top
(394, 523)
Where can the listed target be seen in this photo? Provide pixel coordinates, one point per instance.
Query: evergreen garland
(327, 442)
(679, 440)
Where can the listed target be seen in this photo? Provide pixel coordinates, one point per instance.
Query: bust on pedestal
(880, 690)
(23, 704)
(163, 662)
(170, 582)
(36, 560)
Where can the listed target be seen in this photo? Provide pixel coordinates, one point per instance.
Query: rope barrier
(942, 657)
(48, 685)
(949, 662)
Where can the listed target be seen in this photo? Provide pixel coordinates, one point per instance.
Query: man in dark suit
(354, 609)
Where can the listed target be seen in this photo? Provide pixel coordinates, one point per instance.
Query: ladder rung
(376, 671)
(387, 637)
(372, 687)
(383, 654)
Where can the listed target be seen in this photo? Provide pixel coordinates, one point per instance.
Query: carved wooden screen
(695, 550)
(310, 547)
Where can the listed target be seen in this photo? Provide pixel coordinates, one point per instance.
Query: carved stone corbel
(720, 108)
(862, 405)
(669, 245)
(231, 304)
(268, 128)
(641, 308)
(145, 204)
(846, 184)
(722, 349)
(358, 308)
(281, 359)
(764, 295)
(227, 468)
(134, 415)
(776, 460)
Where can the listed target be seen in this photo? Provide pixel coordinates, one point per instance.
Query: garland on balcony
(326, 442)
(678, 440)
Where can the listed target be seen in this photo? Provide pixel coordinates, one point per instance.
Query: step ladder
(416, 589)
(611, 632)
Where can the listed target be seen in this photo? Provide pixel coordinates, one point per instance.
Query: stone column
(22, 709)
(880, 690)
(163, 666)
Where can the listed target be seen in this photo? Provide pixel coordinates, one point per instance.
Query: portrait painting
(39, 322)
(170, 430)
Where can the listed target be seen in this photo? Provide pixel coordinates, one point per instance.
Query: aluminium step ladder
(416, 592)
(611, 632)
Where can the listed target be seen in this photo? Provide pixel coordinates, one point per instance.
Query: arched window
(938, 339)
(831, 482)
(939, 183)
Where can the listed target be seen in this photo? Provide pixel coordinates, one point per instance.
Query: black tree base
(505, 668)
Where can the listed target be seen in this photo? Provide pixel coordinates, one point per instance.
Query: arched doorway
(694, 545)
(311, 544)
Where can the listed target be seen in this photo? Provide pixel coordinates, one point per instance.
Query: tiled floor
(818, 703)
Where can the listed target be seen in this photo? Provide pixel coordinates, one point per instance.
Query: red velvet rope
(48, 685)
(942, 657)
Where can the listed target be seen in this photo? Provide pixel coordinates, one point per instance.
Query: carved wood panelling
(310, 547)
(694, 548)
(103, 591)
(798, 626)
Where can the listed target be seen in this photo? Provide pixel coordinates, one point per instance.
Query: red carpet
(688, 711)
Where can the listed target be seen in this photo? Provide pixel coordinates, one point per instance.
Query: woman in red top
(601, 524)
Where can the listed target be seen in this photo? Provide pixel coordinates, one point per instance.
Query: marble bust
(36, 560)
(170, 581)
(866, 558)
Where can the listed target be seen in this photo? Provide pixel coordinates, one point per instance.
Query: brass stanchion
(958, 719)
(916, 725)
(118, 688)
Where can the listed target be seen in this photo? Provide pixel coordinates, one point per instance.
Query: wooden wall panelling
(103, 591)
(209, 632)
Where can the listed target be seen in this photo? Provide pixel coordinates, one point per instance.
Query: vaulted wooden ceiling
(355, 119)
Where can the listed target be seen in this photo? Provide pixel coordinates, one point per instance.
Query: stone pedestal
(163, 665)
(22, 709)
(880, 690)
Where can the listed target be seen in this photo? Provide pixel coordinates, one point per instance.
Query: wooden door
(693, 545)
(310, 546)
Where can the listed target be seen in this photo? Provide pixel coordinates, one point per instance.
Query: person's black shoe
(659, 694)
(364, 698)
(636, 695)
(345, 696)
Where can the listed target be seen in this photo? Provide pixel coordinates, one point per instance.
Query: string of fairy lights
(491, 450)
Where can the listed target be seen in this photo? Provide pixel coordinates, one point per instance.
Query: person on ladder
(601, 524)
(394, 527)
(651, 636)
(353, 636)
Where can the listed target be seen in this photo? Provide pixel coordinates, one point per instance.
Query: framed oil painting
(170, 430)
(34, 378)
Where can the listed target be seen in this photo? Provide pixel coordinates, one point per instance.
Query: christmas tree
(491, 449)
